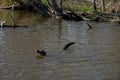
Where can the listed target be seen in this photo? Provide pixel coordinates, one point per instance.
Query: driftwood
(11, 26)
(68, 45)
(72, 16)
(16, 7)
(98, 16)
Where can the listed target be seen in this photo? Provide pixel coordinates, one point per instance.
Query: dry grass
(77, 5)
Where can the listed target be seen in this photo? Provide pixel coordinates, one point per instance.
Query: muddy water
(95, 56)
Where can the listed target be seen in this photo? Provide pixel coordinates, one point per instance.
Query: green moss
(87, 9)
(45, 2)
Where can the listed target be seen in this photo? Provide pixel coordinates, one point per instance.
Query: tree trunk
(94, 5)
(103, 5)
(61, 6)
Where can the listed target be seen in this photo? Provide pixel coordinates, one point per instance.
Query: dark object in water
(90, 27)
(68, 45)
(41, 52)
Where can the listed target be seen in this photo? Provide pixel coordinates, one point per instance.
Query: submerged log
(3, 25)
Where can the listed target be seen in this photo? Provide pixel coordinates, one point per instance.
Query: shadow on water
(94, 56)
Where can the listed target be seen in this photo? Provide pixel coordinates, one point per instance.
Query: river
(94, 56)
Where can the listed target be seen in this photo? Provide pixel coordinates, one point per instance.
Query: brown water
(95, 56)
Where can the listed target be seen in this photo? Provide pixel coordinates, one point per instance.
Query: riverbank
(83, 8)
(74, 5)
(87, 5)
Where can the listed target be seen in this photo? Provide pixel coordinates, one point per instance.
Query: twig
(68, 45)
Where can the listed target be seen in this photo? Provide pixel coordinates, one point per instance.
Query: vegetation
(83, 6)
(6, 2)
(45, 2)
(87, 9)
(73, 5)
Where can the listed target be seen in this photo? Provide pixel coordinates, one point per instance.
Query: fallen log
(10, 26)
(72, 16)
(55, 7)
(16, 7)
(40, 8)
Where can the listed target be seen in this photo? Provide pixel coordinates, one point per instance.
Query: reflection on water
(95, 56)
